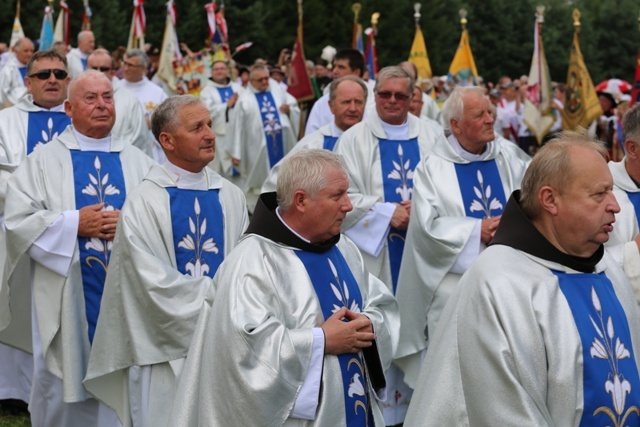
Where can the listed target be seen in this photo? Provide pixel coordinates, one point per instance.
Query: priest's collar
(185, 179)
(265, 223)
(517, 231)
(468, 156)
(87, 143)
(57, 108)
(396, 132)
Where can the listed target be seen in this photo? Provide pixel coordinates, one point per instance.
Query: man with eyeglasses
(63, 203)
(460, 191)
(220, 96)
(130, 121)
(381, 154)
(13, 73)
(149, 94)
(261, 131)
(77, 57)
(35, 120)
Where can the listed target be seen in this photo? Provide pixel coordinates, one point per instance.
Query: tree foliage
(501, 31)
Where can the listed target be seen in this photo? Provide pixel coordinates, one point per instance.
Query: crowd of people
(394, 252)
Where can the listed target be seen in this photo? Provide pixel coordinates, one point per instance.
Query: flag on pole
(86, 16)
(635, 92)
(16, 32)
(538, 114)
(581, 106)
(138, 26)
(63, 29)
(299, 83)
(371, 56)
(463, 67)
(356, 39)
(419, 57)
(170, 51)
(243, 46)
(218, 33)
(46, 33)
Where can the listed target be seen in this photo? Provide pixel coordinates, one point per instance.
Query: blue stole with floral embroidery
(44, 127)
(329, 142)
(198, 230)
(98, 178)
(398, 160)
(225, 93)
(23, 73)
(271, 126)
(481, 188)
(336, 287)
(635, 201)
(611, 385)
(84, 63)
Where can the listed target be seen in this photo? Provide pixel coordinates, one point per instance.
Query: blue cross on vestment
(225, 93)
(44, 126)
(272, 127)
(336, 287)
(98, 178)
(398, 159)
(634, 198)
(198, 230)
(611, 386)
(329, 142)
(481, 188)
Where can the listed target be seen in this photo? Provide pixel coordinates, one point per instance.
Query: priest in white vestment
(175, 229)
(77, 57)
(347, 100)
(35, 120)
(12, 74)
(460, 191)
(220, 96)
(381, 154)
(149, 94)
(624, 243)
(543, 329)
(62, 206)
(261, 129)
(131, 124)
(298, 331)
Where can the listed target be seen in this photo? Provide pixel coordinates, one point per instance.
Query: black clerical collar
(517, 231)
(265, 223)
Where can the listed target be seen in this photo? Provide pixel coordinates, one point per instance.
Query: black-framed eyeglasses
(101, 69)
(45, 74)
(399, 96)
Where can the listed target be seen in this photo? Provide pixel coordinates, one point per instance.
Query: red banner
(299, 82)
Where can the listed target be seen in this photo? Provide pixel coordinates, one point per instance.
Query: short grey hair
(631, 125)
(83, 34)
(139, 53)
(333, 87)
(552, 166)
(306, 170)
(394, 72)
(165, 117)
(453, 108)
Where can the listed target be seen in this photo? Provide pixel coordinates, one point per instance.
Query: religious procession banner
(463, 66)
(581, 106)
(419, 56)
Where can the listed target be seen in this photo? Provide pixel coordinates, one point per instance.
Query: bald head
(86, 41)
(90, 104)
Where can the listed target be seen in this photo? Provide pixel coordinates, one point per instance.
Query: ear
(630, 149)
(67, 107)
(299, 200)
(166, 141)
(547, 197)
(453, 125)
